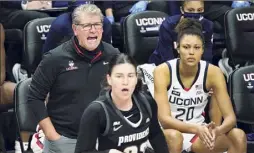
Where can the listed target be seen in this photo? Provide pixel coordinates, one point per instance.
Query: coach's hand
(205, 136)
(114, 151)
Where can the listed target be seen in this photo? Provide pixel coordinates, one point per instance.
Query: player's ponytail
(189, 26)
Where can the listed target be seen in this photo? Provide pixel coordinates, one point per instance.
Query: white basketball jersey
(188, 105)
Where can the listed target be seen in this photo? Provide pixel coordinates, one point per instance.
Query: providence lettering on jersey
(133, 137)
(188, 104)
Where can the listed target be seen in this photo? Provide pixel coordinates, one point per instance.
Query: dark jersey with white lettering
(188, 105)
(126, 131)
(122, 132)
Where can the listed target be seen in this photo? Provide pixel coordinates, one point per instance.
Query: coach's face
(89, 31)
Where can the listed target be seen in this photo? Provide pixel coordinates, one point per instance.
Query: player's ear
(176, 46)
(109, 79)
(181, 9)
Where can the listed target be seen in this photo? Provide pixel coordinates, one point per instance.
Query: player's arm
(55, 36)
(93, 121)
(2, 55)
(164, 49)
(161, 82)
(217, 82)
(156, 136)
(209, 43)
(109, 12)
(214, 111)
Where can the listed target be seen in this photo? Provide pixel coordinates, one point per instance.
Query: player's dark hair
(122, 59)
(188, 26)
(185, 1)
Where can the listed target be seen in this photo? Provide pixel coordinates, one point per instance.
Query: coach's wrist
(53, 136)
(50, 133)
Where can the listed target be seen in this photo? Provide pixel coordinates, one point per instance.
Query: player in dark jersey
(123, 118)
(181, 100)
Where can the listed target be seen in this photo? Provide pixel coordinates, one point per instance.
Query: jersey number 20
(189, 113)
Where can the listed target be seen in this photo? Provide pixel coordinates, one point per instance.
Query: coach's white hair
(85, 8)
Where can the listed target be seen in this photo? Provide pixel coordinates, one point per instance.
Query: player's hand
(114, 151)
(205, 136)
(140, 6)
(210, 92)
(213, 130)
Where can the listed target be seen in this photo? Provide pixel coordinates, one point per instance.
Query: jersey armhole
(107, 117)
(170, 75)
(205, 78)
(147, 104)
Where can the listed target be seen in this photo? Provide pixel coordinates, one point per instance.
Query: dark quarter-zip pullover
(73, 78)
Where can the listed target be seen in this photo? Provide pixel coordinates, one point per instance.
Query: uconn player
(181, 92)
(122, 119)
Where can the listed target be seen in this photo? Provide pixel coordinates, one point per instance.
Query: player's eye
(119, 76)
(197, 47)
